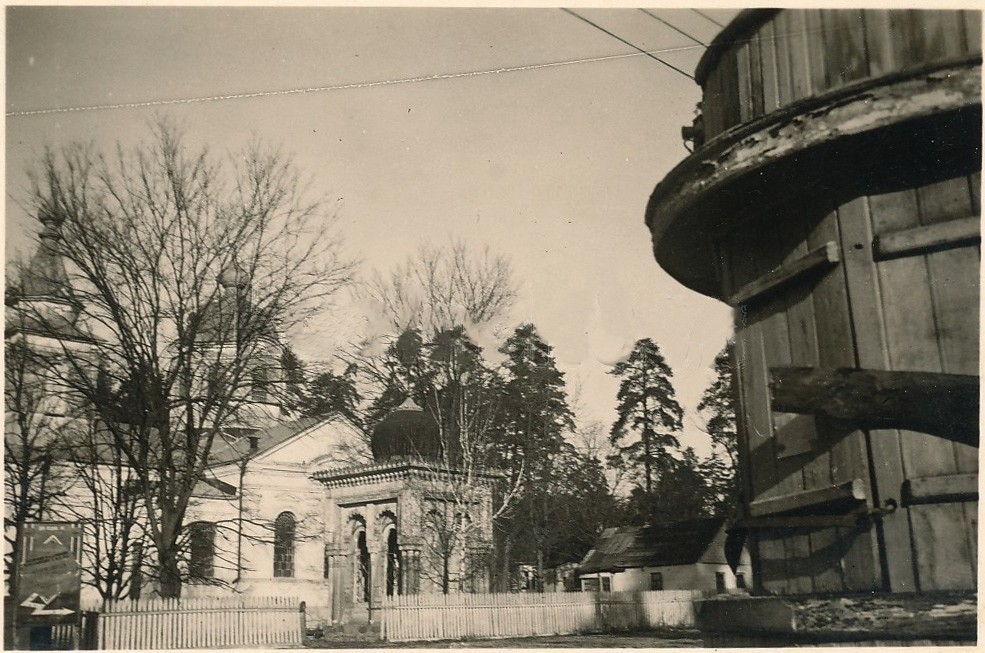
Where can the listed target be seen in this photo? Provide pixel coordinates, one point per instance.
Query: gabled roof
(99, 447)
(229, 449)
(661, 545)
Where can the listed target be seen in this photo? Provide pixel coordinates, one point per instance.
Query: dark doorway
(364, 578)
(394, 585)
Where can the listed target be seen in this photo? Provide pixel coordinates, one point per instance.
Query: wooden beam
(795, 434)
(934, 237)
(945, 405)
(836, 499)
(817, 259)
(940, 489)
(797, 522)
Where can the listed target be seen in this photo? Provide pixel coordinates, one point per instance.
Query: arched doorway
(394, 585)
(363, 569)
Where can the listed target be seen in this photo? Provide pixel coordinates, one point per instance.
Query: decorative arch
(386, 524)
(362, 571)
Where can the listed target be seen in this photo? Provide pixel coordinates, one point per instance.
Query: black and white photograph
(597, 326)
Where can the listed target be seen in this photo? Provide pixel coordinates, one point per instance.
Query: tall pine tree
(533, 422)
(649, 416)
(718, 404)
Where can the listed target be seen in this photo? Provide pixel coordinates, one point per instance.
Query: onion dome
(43, 303)
(407, 432)
(45, 276)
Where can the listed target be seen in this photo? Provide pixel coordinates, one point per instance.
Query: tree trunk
(170, 575)
(504, 581)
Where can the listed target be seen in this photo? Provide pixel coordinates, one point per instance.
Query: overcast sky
(550, 165)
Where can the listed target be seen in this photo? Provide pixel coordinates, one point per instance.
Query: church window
(259, 387)
(656, 581)
(284, 531)
(201, 550)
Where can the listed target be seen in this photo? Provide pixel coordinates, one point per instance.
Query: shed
(674, 555)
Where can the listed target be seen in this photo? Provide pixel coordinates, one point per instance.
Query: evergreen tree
(534, 418)
(330, 394)
(292, 373)
(718, 403)
(579, 506)
(679, 492)
(644, 433)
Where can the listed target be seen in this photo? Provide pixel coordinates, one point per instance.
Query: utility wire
(707, 17)
(622, 40)
(338, 87)
(673, 27)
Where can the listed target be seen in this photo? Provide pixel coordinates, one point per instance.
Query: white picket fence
(460, 616)
(214, 622)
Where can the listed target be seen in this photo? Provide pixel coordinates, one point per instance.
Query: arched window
(201, 549)
(284, 530)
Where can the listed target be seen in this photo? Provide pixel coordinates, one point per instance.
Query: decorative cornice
(392, 471)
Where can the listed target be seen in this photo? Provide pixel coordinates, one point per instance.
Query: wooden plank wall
(913, 312)
(929, 305)
(800, 53)
(199, 623)
(801, 325)
(424, 617)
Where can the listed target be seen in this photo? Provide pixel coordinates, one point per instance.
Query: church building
(305, 508)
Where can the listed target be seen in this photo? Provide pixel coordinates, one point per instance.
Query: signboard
(49, 575)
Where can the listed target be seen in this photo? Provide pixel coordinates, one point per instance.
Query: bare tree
(186, 269)
(436, 290)
(34, 422)
(104, 496)
(463, 396)
(443, 287)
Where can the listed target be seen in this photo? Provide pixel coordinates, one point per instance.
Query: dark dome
(407, 432)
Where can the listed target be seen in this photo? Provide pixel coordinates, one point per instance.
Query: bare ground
(669, 638)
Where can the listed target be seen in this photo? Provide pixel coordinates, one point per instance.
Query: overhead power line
(707, 17)
(340, 87)
(622, 40)
(673, 27)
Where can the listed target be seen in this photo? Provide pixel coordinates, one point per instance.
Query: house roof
(230, 448)
(225, 448)
(660, 545)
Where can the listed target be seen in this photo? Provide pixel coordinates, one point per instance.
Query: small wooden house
(671, 556)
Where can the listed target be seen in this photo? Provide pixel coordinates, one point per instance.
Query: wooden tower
(833, 200)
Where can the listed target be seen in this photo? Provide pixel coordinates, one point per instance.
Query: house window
(284, 528)
(656, 581)
(740, 580)
(606, 584)
(720, 581)
(201, 550)
(589, 584)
